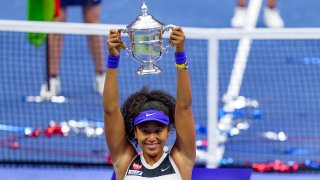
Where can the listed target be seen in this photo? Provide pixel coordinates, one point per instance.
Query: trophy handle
(167, 28)
(125, 30)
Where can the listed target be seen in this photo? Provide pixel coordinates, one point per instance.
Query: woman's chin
(152, 150)
(151, 154)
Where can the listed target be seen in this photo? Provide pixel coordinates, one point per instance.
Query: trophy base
(146, 70)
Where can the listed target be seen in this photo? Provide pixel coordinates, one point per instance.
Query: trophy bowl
(146, 41)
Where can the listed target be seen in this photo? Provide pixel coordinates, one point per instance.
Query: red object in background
(108, 159)
(295, 167)
(15, 145)
(260, 167)
(275, 166)
(35, 133)
(204, 142)
(284, 168)
(49, 131)
(58, 130)
(56, 8)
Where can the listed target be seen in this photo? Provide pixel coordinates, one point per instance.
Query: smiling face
(152, 137)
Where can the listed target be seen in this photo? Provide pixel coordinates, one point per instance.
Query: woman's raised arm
(119, 146)
(184, 120)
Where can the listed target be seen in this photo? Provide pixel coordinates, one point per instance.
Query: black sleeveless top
(165, 168)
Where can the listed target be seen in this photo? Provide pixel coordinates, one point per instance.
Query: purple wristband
(181, 57)
(113, 61)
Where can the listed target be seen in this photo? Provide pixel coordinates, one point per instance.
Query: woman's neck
(151, 160)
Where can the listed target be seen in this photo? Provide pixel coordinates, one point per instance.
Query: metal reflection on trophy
(146, 41)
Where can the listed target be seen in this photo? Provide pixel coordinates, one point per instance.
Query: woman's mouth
(152, 146)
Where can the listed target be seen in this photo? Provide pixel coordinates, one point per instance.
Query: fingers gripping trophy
(146, 42)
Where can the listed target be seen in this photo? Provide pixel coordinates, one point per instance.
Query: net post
(48, 63)
(213, 152)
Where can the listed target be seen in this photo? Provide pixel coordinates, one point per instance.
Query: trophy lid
(145, 21)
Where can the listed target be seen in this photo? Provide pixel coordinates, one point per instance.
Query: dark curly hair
(144, 100)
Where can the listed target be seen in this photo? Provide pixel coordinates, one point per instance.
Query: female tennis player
(145, 120)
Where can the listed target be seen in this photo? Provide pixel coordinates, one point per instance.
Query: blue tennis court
(277, 103)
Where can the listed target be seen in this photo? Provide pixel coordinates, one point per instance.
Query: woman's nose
(152, 137)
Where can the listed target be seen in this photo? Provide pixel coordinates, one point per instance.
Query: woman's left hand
(177, 38)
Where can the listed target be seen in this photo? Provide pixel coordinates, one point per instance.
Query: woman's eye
(159, 131)
(144, 131)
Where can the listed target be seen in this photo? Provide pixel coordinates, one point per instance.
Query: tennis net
(254, 94)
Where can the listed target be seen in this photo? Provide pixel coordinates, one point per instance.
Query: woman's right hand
(115, 42)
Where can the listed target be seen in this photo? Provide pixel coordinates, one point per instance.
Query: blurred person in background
(91, 14)
(272, 17)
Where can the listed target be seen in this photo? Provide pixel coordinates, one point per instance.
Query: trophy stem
(148, 68)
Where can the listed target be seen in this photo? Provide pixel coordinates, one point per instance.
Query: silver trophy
(146, 43)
